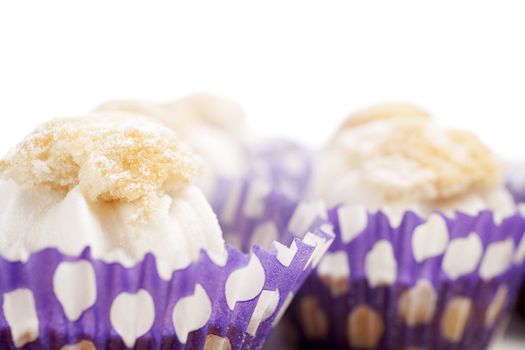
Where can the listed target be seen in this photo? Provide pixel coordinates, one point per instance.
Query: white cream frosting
(31, 220)
(121, 186)
(395, 158)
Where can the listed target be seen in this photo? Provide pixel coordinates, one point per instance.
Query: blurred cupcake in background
(516, 181)
(395, 157)
(105, 243)
(516, 185)
(216, 129)
(429, 246)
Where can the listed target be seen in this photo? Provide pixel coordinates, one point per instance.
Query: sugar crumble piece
(404, 153)
(111, 157)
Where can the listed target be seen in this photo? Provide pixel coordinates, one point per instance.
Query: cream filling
(183, 225)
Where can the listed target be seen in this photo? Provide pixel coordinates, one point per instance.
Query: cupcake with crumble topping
(429, 246)
(106, 243)
(216, 129)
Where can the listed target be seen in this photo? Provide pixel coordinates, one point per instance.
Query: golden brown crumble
(444, 162)
(110, 156)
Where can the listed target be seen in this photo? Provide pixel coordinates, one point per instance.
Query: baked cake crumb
(111, 157)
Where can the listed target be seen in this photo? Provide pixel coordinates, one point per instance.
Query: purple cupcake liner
(515, 181)
(440, 283)
(284, 164)
(53, 301)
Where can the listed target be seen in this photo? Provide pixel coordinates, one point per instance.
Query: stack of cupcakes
(429, 247)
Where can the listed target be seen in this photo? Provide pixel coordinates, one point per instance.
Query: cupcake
(429, 247)
(216, 129)
(213, 126)
(105, 243)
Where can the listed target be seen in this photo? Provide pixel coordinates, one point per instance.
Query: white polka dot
(381, 265)
(83, 345)
(283, 308)
(245, 283)
(497, 259)
(265, 234)
(334, 272)
(294, 163)
(462, 256)
(321, 246)
(314, 320)
(304, 216)
(229, 210)
(132, 315)
(214, 342)
(365, 327)
(519, 256)
(496, 306)
(352, 221)
(218, 258)
(265, 308)
(20, 313)
(191, 313)
(328, 229)
(430, 239)
(285, 254)
(455, 319)
(334, 265)
(394, 214)
(74, 284)
(254, 203)
(289, 188)
(417, 305)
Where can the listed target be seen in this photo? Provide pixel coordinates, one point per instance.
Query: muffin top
(202, 108)
(404, 153)
(111, 157)
(214, 110)
(114, 182)
(214, 127)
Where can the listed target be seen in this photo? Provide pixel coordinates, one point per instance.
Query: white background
(297, 67)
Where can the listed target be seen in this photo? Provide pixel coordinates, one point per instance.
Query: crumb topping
(407, 154)
(110, 156)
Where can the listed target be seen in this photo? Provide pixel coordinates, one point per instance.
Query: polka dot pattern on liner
(202, 306)
(431, 283)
